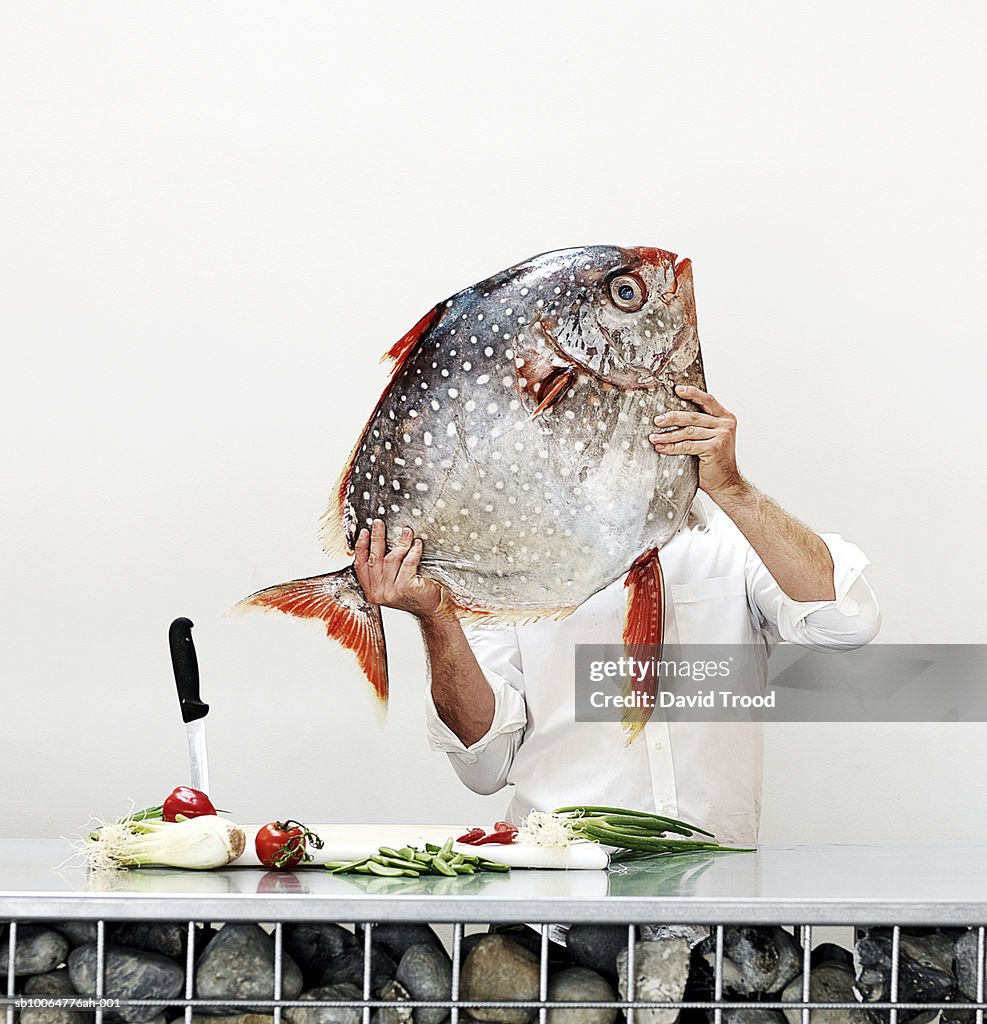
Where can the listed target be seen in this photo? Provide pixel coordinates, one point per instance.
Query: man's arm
(796, 556)
(462, 696)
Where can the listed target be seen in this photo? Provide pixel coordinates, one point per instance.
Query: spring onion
(639, 831)
(204, 842)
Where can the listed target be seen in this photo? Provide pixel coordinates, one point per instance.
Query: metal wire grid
(455, 1004)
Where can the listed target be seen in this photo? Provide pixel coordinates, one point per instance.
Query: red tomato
(188, 802)
(282, 844)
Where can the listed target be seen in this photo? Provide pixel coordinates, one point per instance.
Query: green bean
(446, 848)
(443, 867)
(384, 869)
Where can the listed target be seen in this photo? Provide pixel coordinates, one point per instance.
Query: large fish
(513, 438)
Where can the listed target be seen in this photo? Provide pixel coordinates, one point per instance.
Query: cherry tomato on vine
(283, 844)
(188, 802)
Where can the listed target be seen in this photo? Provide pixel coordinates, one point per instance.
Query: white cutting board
(350, 841)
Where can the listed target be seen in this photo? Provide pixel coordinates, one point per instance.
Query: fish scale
(512, 437)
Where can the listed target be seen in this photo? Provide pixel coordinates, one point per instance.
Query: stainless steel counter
(808, 884)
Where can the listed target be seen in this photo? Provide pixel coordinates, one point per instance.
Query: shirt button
(659, 746)
(665, 808)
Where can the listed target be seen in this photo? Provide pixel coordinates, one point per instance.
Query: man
(741, 571)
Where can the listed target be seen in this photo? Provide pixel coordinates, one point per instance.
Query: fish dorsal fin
(405, 345)
(333, 529)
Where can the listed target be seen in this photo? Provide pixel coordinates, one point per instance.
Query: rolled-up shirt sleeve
(850, 620)
(484, 765)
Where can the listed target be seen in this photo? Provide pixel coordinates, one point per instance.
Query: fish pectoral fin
(644, 631)
(337, 600)
(541, 377)
(553, 387)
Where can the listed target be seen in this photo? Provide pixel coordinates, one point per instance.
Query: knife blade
(194, 711)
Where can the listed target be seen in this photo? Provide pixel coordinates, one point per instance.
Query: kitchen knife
(194, 712)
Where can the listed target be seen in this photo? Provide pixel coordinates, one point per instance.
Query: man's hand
(710, 434)
(392, 579)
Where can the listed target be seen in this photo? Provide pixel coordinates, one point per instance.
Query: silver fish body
(521, 511)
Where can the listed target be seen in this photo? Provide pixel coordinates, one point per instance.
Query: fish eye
(627, 292)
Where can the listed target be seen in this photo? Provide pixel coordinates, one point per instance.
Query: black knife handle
(186, 667)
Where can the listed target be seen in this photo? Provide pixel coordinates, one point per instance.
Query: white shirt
(718, 591)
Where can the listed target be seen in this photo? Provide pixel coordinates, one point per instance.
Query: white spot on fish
(421, 486)
(366, 495)
(509, 353)
(483, 378)
(434, 405)
(416, 511)
(453, 393)
(467, 366)
(427, 438)
(492, 407)
(479, 316)
(400, 462)
(396, 484)
(488, 351)
(451, 430)
(524, 291)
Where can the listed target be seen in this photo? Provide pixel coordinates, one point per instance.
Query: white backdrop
(216, 218)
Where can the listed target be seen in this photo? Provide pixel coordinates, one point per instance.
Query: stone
(53, 984)
(925, 970)
(314, 945)
(397, 937)
(831, 953)
(830, 982)
(238, 963)
(965, 963)
(166, 938)
(349, 967)
(326, 1014)
(129, 974)
(77, 932)
(576, 984)
(394, 992)
(597, 946)
(237, 1018)
(959, 1012)
(662, 970)
(499, 968)
(425, 971)
(757, 960)
(40, 949)
(748, 1015)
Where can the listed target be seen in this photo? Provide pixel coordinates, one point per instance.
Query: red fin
(337, 600)
(644, 631)
(541, 376)
(400, 350)
(332, 531)
(553, 387)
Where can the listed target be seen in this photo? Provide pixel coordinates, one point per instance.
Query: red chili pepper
(505, 826)
(472, 836)
(500, 838)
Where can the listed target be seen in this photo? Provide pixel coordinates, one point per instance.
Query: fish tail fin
(644, 630)
(337, 600)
